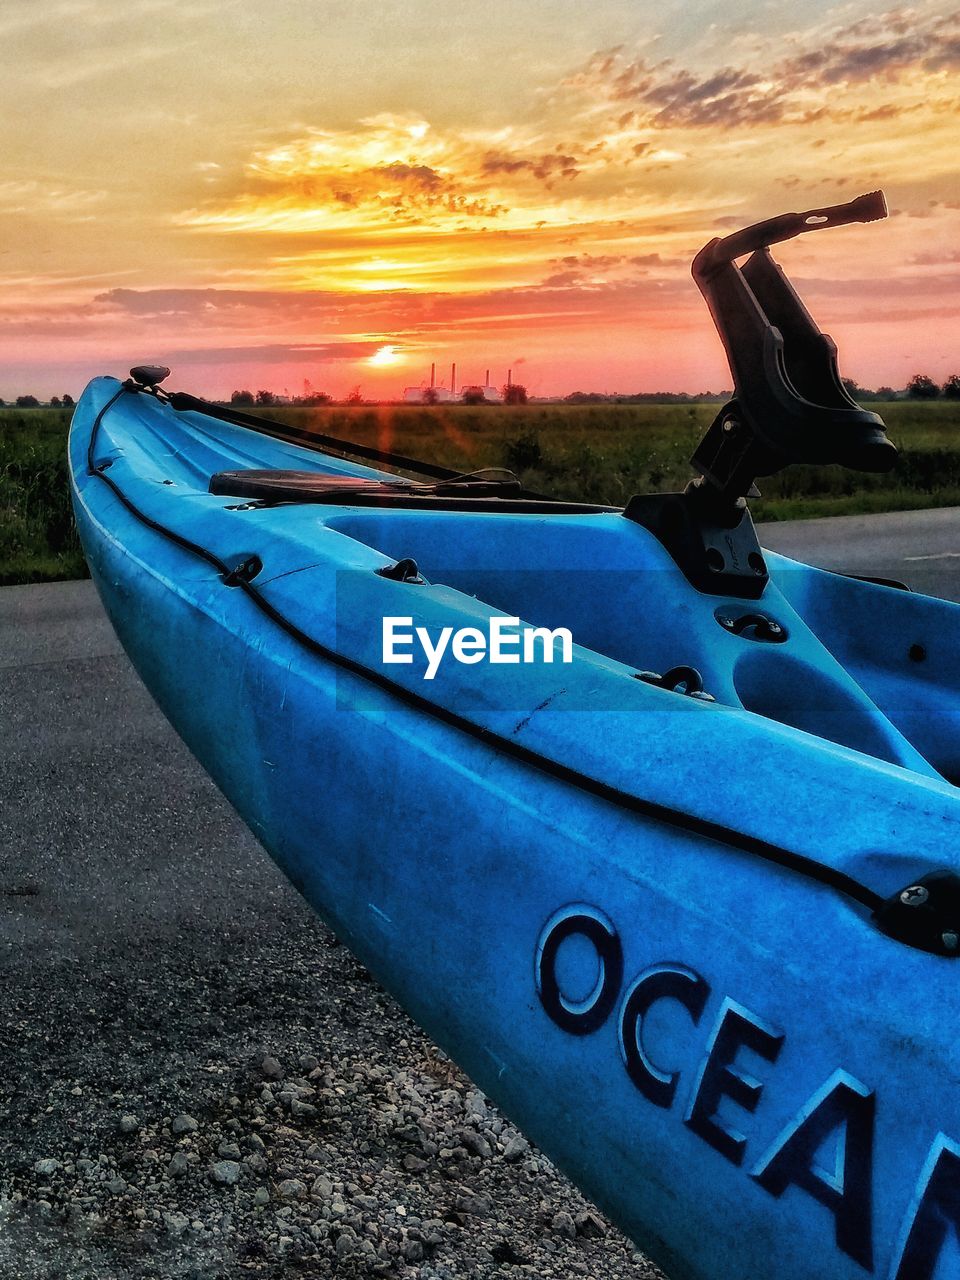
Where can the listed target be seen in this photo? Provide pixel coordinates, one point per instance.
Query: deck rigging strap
(316, 440)
(678, 819)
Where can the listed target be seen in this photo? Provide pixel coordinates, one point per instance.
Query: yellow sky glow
(387, 355)
(288, 204)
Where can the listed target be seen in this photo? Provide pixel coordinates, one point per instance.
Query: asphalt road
(920, 548)
(153, 964)
(91, 779)
(143, 931)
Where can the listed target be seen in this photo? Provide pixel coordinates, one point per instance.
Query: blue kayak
(667, 862)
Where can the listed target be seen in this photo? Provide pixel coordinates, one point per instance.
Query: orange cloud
(558, 223)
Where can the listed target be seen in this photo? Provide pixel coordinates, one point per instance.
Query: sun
(385, 355)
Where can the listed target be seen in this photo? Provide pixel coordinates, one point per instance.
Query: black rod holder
(789, 403)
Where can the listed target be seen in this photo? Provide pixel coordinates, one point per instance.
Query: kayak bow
(686, 904)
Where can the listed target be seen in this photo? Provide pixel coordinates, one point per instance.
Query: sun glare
(385, 355)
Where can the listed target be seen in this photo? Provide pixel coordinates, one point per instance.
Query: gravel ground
(198, 1080)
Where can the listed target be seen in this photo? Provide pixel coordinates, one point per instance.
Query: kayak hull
(725, 1055)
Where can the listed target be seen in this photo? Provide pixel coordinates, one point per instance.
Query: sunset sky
(270, 195)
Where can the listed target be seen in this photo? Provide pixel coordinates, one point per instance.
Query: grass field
(597, 453)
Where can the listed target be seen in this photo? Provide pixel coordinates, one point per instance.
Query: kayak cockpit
(612, 584)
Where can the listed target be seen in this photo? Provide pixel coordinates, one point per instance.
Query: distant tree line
(513, 393)
(647, 397)
(920, 387)
(31, 402)
(269, 399)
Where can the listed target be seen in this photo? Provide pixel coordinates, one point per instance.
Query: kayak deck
(606, 580)
(320, 569)
(456, 831)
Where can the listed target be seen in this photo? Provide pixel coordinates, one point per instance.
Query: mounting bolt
(245, 571)
(916, 896)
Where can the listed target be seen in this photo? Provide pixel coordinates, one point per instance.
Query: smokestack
(509, 377)
(486, 379)
(453, 379)
(433, 374)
